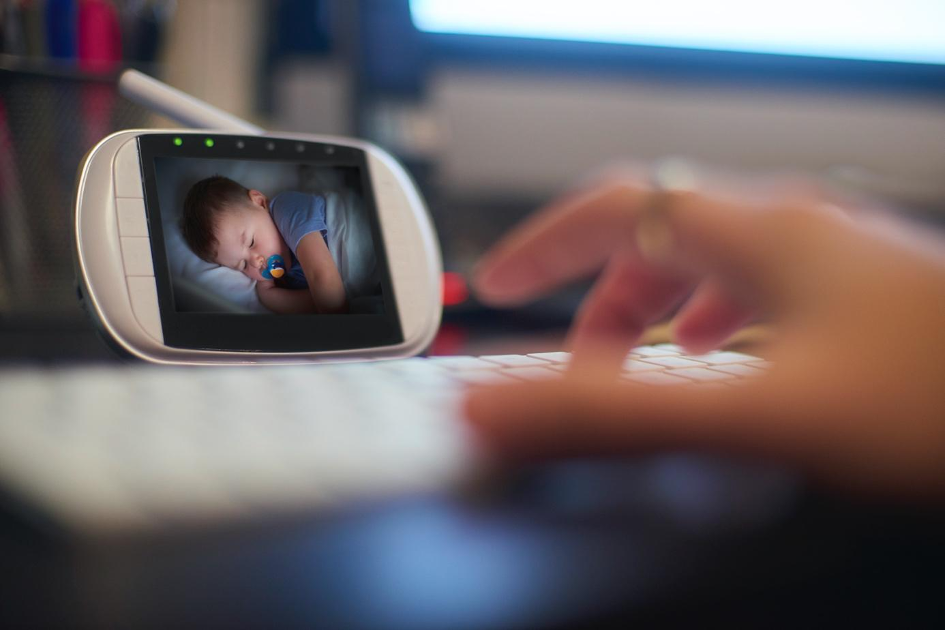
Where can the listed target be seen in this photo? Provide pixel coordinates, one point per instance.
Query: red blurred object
(455, 290)
(99, 44)
(99, 50)
(451, 339)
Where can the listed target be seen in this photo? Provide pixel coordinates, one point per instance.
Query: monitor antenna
(162, 99)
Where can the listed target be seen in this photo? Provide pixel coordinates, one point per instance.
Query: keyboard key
(460, 362)
(514, 360)
(740, 370)
(483, 377)
(558, 357)
(635, 365)
(701, 374)
(398, 364)
(723, 357)
(652, 351)
(416, 371)
(673, 362)
(436, 378)
(416, 366)
(669, 347)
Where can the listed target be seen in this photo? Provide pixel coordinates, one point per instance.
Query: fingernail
(487, 272)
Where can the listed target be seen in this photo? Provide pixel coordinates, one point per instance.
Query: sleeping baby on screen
(280, 243)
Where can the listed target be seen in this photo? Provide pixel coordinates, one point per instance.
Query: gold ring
(654, 232)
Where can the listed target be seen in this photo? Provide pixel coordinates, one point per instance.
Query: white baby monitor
(154, 298)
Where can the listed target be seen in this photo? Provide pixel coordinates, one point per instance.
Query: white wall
(534, 134)
(213, 51)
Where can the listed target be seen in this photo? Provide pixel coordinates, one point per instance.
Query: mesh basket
(48, 121)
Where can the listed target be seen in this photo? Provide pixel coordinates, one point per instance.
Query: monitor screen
(905, 31)
(265, 244)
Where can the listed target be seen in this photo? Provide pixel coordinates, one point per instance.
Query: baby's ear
(258, 198)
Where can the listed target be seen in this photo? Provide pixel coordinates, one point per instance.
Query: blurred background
(495, 107)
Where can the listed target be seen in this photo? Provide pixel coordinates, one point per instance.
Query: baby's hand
(282, 300)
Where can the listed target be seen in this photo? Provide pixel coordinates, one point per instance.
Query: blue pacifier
(275, 267)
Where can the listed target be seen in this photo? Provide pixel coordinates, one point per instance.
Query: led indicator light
(178, 141)
(208, 142)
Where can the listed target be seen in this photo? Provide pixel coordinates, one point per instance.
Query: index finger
(566, 241)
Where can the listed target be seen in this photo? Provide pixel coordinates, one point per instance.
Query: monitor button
(132, 220)
(144, 303)
(128, 171)
(136, 253)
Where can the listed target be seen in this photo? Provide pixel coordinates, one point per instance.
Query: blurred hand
(855, 393)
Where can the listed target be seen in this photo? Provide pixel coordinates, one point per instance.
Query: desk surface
(557, 546)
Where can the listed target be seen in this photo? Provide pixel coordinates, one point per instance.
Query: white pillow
(219, 281)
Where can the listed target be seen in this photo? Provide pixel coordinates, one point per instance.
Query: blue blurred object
(62, 28)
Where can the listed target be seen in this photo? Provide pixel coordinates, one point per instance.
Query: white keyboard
(117, 448)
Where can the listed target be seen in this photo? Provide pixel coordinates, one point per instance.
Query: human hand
(854, 394)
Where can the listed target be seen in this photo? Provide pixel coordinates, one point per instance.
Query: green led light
(208, 142)
(178, 141)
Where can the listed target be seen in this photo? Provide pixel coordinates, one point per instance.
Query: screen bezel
(260, 333)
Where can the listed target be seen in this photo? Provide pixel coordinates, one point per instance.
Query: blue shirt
(296, 215)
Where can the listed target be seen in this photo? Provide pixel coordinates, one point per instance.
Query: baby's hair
(202, 207)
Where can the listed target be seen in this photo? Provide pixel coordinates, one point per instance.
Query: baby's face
(247, 237)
